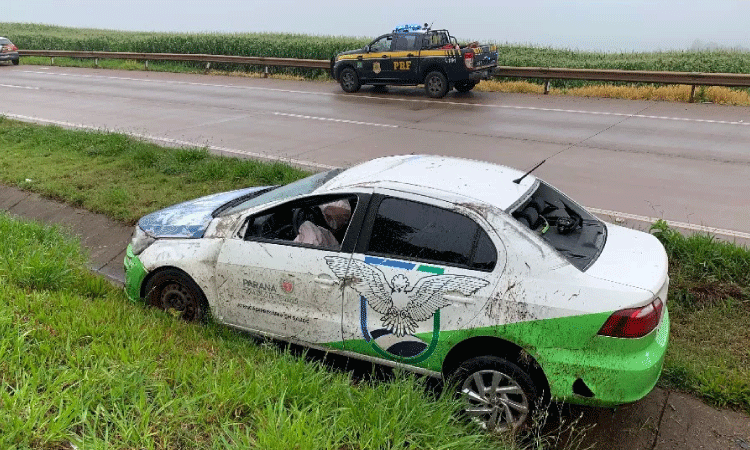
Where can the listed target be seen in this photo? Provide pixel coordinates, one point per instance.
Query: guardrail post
(52, 61)
(692, 94)
(208, 66)
(265, 72)
(96, 62)
(546, 87)
(145, 64)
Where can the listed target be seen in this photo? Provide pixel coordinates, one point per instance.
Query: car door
(405, 56)
(377, 64)
(420, 272)
(267, 282)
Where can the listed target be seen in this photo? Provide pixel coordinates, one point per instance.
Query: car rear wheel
(349, 80)
(175, 292)
(436, 85)
(465, 86)
(16, 62)
(498, 395)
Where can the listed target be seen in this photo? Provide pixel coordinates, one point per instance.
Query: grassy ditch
(284, 45)
(123, 178)
(81, 365)
(116, 175)
(709, 301)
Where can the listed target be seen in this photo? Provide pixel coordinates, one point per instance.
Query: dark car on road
(413, 55)
(8, 51)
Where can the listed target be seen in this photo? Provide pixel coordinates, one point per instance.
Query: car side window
(320, 224)
(436, 39)
(413, 230)
(382, 45)
(405, 42)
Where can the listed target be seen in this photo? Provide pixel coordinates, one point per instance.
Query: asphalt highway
(632, 160)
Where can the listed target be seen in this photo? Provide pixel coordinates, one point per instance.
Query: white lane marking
(19, 87)
(393, 99)
(311, 164)
(148, 137)
(327, 119)
(672, 223)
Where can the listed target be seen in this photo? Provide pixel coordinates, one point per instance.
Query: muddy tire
(349, 80)
(436, 85)
(173, 291)
(465, 86)
(498, 395)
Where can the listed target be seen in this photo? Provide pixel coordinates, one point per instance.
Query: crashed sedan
(465, 270)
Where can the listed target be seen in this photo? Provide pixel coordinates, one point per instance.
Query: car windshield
(297, 188)
(4, 41)
(565, 225)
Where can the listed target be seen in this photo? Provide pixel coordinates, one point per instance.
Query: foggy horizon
(602, 26)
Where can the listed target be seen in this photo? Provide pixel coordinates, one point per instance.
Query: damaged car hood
(190, 219)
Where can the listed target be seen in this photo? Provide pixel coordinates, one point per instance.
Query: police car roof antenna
(428, 28)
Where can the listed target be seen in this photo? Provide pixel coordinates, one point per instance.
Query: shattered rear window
(563, 224)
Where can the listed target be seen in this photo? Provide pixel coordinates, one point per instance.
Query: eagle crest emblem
(401, 305)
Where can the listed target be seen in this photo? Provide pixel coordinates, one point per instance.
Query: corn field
(47, 37)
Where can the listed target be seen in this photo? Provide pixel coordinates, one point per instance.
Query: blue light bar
(405, 28)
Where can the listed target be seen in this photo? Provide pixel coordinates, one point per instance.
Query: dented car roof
(488, 183)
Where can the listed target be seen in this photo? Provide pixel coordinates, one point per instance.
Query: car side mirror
(367, 49)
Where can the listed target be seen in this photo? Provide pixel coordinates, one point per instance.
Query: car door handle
(460, 299)
(386, 56)
(359, 57)
(410, 55)
(326, 280)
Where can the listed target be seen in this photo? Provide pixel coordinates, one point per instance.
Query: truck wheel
(498, 395)
(436, 85)
(465, 86)
(349, 80)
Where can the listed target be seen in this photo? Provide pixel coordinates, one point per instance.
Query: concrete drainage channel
(663, 420)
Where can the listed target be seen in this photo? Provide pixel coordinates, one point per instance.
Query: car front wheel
(436, 85)
(16, 62)
(498, 395)
(349, 80)
(175, 292)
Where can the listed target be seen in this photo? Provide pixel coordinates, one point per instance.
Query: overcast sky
(608, 25)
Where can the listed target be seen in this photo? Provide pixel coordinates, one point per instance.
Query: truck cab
(413, 55)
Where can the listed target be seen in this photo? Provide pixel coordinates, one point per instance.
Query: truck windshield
(565, 225)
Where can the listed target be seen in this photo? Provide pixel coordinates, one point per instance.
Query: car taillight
(469, 59)
(634, 322)
(13, 48)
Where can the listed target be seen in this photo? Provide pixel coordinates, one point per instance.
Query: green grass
(119, 176)
(709, 301)
(80, 364)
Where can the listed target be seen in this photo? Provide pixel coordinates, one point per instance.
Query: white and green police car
(447, 267)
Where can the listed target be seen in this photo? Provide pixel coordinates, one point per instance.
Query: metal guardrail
(208, 59)
(546, 73)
